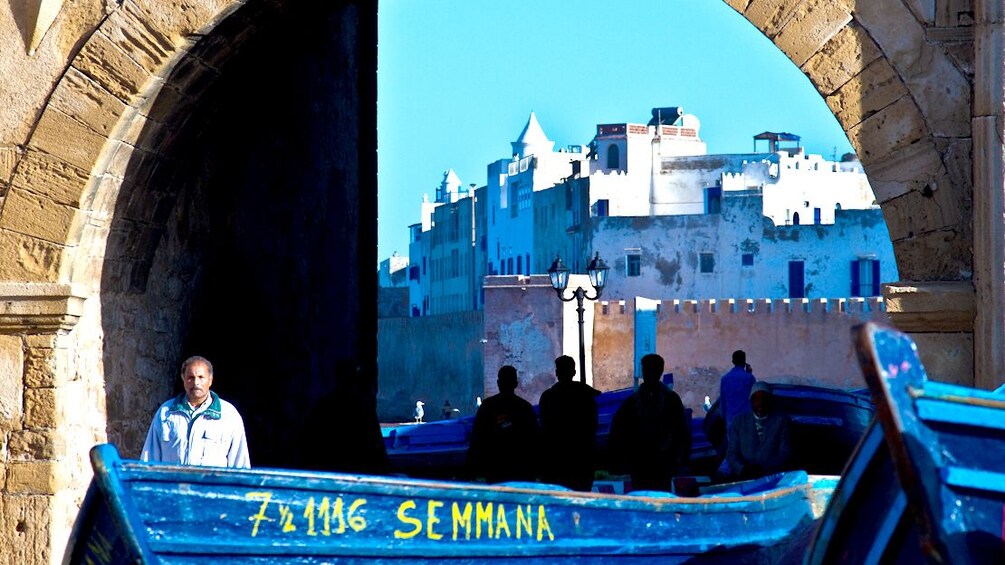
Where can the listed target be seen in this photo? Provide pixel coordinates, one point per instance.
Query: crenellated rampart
(803, 341)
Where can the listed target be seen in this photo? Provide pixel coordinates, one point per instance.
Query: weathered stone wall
(429, 358)
(787, 341)
(526, 326)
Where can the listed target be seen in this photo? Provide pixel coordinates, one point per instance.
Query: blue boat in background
(153, 513)
(927, 483)
(827, 424)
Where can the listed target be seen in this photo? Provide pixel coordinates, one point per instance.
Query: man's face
(197, 381)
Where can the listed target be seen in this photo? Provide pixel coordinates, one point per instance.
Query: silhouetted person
(568, 413)
(734, 399)
(504, 437)
(650, 435)
(759, 439)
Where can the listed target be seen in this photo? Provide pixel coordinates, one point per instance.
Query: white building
(673, 221)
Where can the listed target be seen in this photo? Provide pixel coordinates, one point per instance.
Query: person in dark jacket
(568, 412)
(759, 439)
(650, 436)
(504, 437)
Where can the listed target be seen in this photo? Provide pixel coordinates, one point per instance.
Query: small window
(816, 216)
(865, 277)
(795, 218)
(413, 273)
(519, 264)
(602, 208)
(633, 264)
(747, 260)
(707, 262)
(713, 200)
(613, 157)
(527, 262)
(509, 266)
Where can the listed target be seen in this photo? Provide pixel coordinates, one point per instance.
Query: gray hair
(196, 359)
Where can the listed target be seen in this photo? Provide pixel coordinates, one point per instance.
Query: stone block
(934, 256)
(111, 67)
(888, 130)
(9, 157)
(847, 54)
(932, 306)
(895, 28)
(40, 408)
(184, 18)
(34, 445)
(812, 25)
(141, 37)
(24, 528)
(875, 88)
(45, 368)
(35, 477)
(923, 211)
(88, 102)
(911, 168)
(41, 217)
(941, 90)
(43, 174)
(738, 5)
(28, 258)
(948, 357)
(770, 16)
(11, 383)
(63, 137)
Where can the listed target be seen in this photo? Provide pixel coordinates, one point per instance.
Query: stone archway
(104, 235)
(899, 77)
(917, 89)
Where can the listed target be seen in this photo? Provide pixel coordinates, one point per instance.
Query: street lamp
(559, 274)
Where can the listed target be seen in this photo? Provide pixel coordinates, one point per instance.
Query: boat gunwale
(148, 472)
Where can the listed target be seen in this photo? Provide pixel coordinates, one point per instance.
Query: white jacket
(211, 437)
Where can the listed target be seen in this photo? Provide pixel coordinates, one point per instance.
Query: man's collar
(213, 412)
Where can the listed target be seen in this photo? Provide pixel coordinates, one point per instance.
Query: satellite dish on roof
(667, 116)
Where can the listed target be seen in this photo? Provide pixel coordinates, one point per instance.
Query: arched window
(613, 157)
(795, 218)
(527, 262)
(519, 264)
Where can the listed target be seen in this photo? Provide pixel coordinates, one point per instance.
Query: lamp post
(559, 274)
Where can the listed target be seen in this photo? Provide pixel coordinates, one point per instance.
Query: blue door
(796, 282)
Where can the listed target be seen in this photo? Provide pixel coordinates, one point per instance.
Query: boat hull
(138, 512)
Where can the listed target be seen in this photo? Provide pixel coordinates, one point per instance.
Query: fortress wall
(792, 341)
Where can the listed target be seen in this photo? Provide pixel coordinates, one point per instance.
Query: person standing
(197, 427)
(504, 436)
(734, 399)
(568, 412)
(759, 439)
(650, 435)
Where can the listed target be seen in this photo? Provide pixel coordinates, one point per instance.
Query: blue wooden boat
(826, 426)
(927, 482)
(152, 513)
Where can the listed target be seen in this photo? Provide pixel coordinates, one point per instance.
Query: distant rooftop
(775, 139)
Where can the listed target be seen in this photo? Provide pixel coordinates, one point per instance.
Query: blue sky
(457, 79)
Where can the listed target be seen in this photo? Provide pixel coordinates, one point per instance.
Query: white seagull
(419, 412)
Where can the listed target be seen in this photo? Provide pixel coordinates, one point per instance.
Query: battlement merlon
(757, 306)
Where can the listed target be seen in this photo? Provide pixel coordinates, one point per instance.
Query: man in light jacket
(197, 427)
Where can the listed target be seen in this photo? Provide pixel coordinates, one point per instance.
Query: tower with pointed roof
(532, 140)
